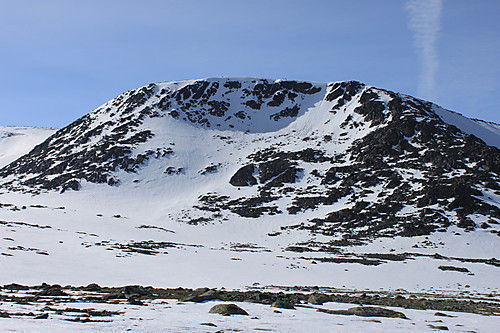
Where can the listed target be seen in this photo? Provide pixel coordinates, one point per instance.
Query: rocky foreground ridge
(344, 160)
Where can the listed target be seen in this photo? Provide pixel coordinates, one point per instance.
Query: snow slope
(17, 141)
(487, 131)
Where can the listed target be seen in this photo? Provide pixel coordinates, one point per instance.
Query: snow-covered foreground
(174, 316)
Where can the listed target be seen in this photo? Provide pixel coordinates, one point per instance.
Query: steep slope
(17, 141)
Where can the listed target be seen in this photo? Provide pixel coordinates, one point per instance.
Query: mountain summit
(341, 161)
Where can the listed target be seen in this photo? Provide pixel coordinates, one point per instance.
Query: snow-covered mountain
(194, 182)
(341, 159)
(17, 141)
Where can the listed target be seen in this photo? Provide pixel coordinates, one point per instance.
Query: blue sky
(60, 59)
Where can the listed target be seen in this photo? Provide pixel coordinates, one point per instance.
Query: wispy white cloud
(424, 21)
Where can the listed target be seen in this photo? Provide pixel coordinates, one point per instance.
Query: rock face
(358, 161)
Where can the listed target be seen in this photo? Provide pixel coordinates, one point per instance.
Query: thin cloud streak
(424, 21)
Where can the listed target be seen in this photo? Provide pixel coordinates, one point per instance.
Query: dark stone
(485, 225)
(335, 92)
(240, 115)
(228, 309)
(278, 168)
(465, 223)
(453, 268)
(318, 299)
(438, 327)
(232, 84)
(92, 287)
(286, 112)
(218, 108)
(202, 295)
(15, 286)
(283, 304)
(253, 104)
(71, 185)
(42, 316)
(277, 100)
(367, 311)
(52, 292)
(173, 171)
(210, 169)
(244, 176)
(135, 301)
(136, 290)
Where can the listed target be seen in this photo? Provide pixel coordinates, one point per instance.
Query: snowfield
(17, 141)
(86, 241)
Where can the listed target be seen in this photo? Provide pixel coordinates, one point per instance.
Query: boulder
(228, 309)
